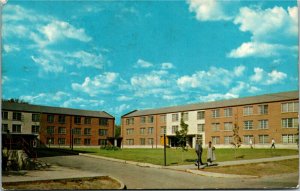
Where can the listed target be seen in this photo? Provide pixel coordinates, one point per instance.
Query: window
(150, 119)
(263, 124)
(77, 141)
(150, 130)
(50, 118)
(61, 141)
(174, 129)
(17, 116)
(290, 107)
(87, 120)
(248, 110)
(150, 141)
(200, 115)
(77, 119)
(143, 119)
(228, 126)
(102, 142)
(289, 138)
(35, 117)
(289, 123)
(248, 125)
(215, 140)
(263, 139)
(77, 131)
(129, 131)
(142, 131)
(200, 128)
(103, 121)
(174, 117)
(215, 113)
(228, 112)
(185, 116)
(228, 140)
(163, 130)
(50, 140)
(87, 141)
(163, 118)
(103, 132)
(61, 130)
(61, 119)
(4, 115)
(4, 127)
(87, 131)
(263, 109)
(247, 138)
(215, 126)
(142, 141)
(130, 141)
(130, 121)
(35, 129)
(50, 130)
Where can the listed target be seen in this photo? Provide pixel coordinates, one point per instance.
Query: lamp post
(165, 148)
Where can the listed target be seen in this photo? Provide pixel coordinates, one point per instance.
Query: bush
(109, 147)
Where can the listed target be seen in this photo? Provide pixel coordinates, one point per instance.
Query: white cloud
(57, 30)
(209, 10)
(43, 98)
(47, 65)
(4, 79)
(143, 64)
(10, 48)
(216, 96)
(242, 87)
(264, 78)
(147, 80)
(239, 70)
(86, 59)
(99, 84)
(167, 65)
(120, 109)
(83, 103)
(206, 80)
(124, 98)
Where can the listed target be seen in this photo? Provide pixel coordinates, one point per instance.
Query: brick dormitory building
(56, 126)
(259, 118)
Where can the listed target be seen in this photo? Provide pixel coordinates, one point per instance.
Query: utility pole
(165, 148)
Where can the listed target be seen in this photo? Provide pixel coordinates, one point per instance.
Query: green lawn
(177, 157)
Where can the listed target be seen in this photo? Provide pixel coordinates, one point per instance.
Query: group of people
(210, 153)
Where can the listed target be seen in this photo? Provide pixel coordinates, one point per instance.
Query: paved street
(135, 177)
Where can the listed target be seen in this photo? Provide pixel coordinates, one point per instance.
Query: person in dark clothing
(198, 149)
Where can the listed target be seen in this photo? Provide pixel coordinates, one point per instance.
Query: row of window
(262, 139)
(143, 131)
(17, 116)
(75, 131)
(150, 141)
(76, 141)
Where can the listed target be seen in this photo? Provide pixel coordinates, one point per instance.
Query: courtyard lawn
(177, 157)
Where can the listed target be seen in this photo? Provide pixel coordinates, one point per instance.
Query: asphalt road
(136, 177)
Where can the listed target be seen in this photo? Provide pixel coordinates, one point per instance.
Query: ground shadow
(51, 152)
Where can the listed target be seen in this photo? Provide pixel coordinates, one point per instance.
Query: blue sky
(119, 56)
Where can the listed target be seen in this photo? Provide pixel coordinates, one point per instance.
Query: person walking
(250, 142)
(198, 150)
(210, 153)
(273, 143)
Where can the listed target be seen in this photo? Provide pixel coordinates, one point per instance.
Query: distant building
(57, 126)
(259, 118)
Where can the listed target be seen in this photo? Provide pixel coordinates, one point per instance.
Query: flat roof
(274, 97)
(11, 106)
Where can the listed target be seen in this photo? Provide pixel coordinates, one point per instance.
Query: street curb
(219, 175)
(123, 161)
(122, 185)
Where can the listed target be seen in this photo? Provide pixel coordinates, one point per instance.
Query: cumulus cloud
(210, 10)
(217, 96)
(99, 84)
(43, 98)
(120, 109)
(167, 65)
(83, 103)
(124, 98)
(239, 70)
(265, 78)
(143, 64)
(10, 48)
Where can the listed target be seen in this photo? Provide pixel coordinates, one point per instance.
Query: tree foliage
(15, 100)
(181, 135)
(117, 131)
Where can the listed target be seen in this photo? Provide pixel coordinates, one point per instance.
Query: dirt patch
(66, 184)
(259, 169)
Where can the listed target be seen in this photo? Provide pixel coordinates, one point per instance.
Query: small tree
(237, 141)
(181, 136)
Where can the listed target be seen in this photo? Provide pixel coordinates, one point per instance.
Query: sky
(119, 56)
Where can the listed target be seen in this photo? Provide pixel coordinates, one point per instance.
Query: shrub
(109, 147)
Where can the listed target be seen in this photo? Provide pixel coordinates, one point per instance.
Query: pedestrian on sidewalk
(210, 153)
(273, 143)
(198, 149)
(251, 144)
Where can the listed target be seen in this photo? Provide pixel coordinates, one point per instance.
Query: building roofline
(129, 113)
(264, 98)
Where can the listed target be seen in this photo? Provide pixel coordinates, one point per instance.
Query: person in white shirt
(250, 142)
(210, 153)
(273, 144)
